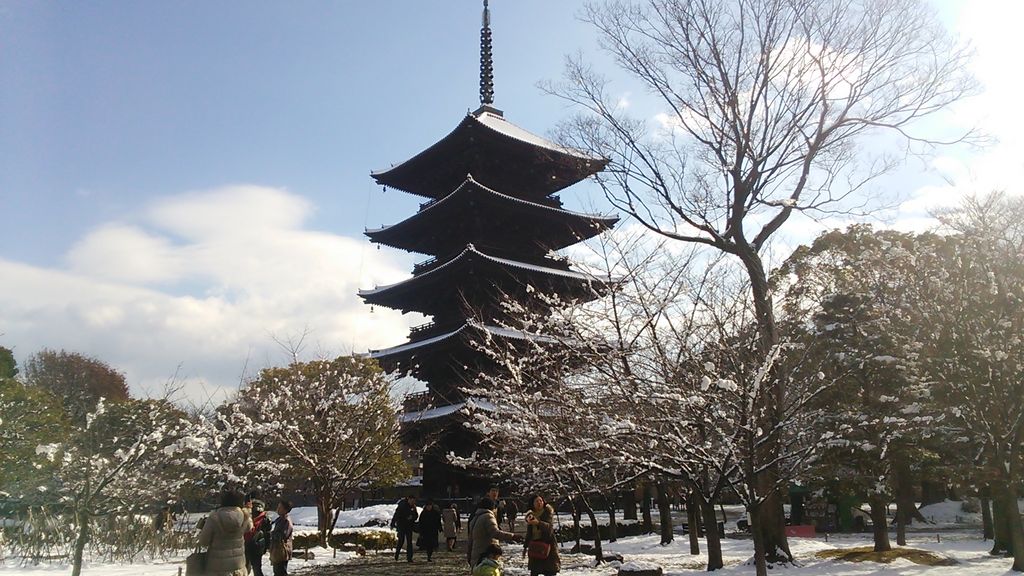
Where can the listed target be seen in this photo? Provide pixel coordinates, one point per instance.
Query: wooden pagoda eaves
(474, 213)
(441, 288)
(494, 151)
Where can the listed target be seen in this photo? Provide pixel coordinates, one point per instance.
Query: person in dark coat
(539, 527)
(281, 532)
(430, 526)
(404, 522)
(511, 511)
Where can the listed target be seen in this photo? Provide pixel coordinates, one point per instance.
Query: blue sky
(183, 183)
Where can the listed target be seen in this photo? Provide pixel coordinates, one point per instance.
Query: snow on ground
(958, 541)
(966, 547)
(167, 567)
(371, 515)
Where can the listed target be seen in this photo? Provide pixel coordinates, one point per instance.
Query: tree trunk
(771, 518)
(598, 552)
(1001, 537)
(714, 538)
(645, 510)
(880, 525)
(986, 518)
(760, 564)
(613, 528)
(664, 515)
(576, 529)
(82, 521)
(932, 492)
(1005, 498)
(629, 511)
(692, 523)
(323, 517)
(772, 526)
(904, 499)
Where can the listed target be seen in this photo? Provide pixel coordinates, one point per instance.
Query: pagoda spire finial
(486, 60)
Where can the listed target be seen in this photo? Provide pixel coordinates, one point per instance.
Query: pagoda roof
(438, 286)
(497, 152)
(410, 349)
(443, 411)
(473, 213)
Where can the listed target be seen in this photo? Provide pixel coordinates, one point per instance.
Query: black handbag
(195, 564)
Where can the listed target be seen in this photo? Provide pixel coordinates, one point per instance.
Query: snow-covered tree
(122, 459)
(330, 425)
(764, 106)
(853, 298)
(975, 353)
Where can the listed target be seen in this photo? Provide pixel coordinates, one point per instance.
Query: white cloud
(204, 281)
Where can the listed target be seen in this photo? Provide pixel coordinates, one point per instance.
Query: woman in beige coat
(484, 531)
(224, 536)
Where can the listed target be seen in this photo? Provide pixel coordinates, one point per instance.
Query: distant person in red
(258, 538)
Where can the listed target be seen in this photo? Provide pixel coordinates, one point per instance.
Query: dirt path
(383, 564)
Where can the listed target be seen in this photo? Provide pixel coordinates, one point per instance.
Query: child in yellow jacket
(490, 565)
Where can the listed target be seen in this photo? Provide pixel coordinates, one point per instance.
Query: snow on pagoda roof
(471, 250)
(469, 325)
(442, 411)
(469, 181)
(499, 124)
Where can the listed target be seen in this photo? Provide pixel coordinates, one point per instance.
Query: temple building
(490, 227)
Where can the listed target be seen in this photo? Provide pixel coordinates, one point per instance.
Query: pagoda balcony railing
(421, 330)
(416, 401)
(424, 266)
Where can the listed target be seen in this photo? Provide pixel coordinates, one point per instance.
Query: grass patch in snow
(868, 554)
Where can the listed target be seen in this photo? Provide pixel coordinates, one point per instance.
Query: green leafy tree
(29, 417)
(78, 380)
(8, 365)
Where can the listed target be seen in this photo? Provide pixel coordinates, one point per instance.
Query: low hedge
(565, 532)
(368, 539)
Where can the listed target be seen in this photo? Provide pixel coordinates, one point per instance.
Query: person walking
(511, 512)
(452, 525)
(223, 534)
(258, 537)
(541, 547)
(404, 522)
(281, 539)
(485, 531)
(430, 527)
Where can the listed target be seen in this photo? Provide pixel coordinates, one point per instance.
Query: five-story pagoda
(491, 227)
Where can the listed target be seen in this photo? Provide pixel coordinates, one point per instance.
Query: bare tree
(765, 105)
